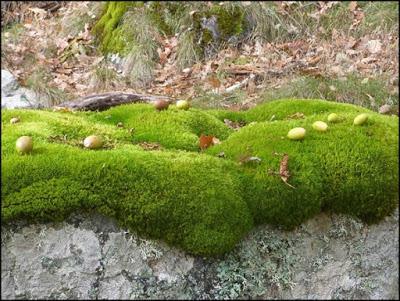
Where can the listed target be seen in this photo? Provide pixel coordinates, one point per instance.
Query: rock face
(89, 257)
(389, 109)
(14, 96)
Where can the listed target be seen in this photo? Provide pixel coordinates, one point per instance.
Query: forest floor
(54, 53)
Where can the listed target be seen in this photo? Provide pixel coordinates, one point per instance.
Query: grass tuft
(188, 51)
(47, 94)
(141, 41)
(103, 77)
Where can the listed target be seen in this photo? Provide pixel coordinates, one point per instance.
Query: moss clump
(230, 20)
(169, 18)
(348, 169)
(107, 28)
(197, 201)
(166, 15)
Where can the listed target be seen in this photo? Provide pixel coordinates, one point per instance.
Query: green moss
(107, 28)
(230, 20)
(163, 13)
(195, 200)
(349, 169)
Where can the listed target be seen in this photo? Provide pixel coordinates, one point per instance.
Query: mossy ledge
(196, 200)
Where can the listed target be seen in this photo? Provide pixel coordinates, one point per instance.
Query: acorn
(333, 117)
(320, 126)
(182, 104)
(14, 120)
(93, 142)
(24, 144)
(161, 104)
(296, 134)
(360, 119)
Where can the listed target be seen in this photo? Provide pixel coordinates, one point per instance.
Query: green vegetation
(117, 31)
(107, 28)
(196, 200)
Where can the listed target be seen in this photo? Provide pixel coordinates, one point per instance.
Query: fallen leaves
(297, 115)
(283, 170)
(374, 46)
(207, 141)
(246, 159)
(150, 146)
(234, 125)
(268, 64)
(352, 5)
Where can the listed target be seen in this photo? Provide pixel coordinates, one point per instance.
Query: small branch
(105, 101)
(239, 85)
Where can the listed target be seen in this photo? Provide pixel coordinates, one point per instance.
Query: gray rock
(46, 262)
(389, 109)
(88, 256)
(8, 83)
(14, 96)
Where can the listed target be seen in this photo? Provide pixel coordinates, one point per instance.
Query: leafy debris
(284, 171)
(234, 125)
(149, 146)
(207, 141)
(296, 115)
(246, 159)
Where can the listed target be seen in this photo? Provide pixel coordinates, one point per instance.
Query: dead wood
(101, 102)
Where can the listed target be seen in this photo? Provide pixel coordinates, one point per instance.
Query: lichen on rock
(89, 257)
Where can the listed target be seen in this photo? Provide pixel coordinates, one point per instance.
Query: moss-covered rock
(192, 199)
(108, 29)
(170, 18)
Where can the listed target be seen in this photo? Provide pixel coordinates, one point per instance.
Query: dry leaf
(150, 146)
(246, 159)
(352, 5)
(374, 46)
(365, 81)
(221, 155)
(61, 109)
(214, 81)
(284, 171)
(38, 11)
(215, 141)
(205, 141)
(297, 115)
(313, 71)
(314, 60)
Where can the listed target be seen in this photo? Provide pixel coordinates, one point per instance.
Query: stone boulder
(90, 257)
(14, 96)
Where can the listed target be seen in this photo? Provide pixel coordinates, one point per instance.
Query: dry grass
(47, 95)
(188, 52)
(103, 78)
(354, 89)
(141, 37)
(74, 20)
